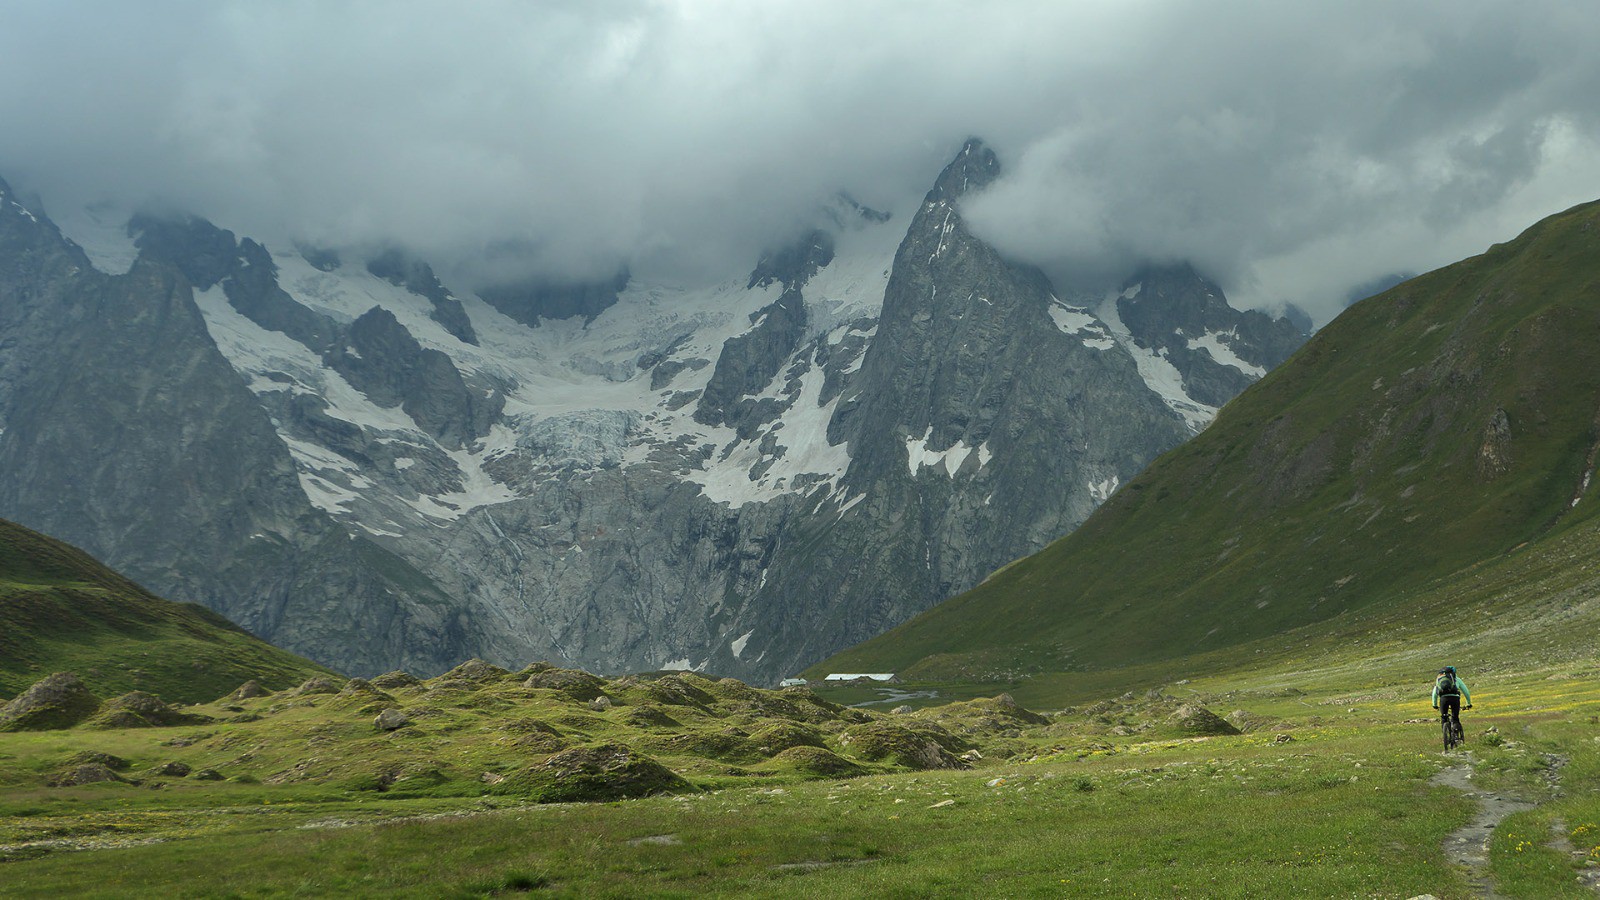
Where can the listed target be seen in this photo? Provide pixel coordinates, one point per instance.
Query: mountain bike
(1453, 733)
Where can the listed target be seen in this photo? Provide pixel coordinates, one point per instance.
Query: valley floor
(1335, 795)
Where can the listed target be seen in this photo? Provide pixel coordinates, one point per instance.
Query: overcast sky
(1290, 149)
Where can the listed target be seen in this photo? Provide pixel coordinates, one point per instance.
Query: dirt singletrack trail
(1468, 846)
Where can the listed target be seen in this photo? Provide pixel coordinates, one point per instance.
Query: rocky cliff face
(128, 433)
(621, 476)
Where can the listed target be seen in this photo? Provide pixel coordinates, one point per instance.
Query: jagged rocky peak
(208, 256)
(974, 168)
(323, 259)
(380, 358)
(793, 265)
(847, 211)
(402, 270)
(532, 299)
(204, 253)
(1218, 350)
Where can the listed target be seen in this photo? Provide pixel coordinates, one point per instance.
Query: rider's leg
(1450, 708)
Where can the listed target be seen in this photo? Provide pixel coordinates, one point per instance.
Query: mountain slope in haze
(359, 464)
(1448, 421)
(60, 610)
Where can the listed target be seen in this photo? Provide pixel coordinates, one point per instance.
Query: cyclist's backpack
(1447, 685)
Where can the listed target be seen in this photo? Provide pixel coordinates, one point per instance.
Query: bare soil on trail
(1468, 846)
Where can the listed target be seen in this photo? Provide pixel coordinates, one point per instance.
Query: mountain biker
(1450, 690)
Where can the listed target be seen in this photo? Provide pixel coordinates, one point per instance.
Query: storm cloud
(1291, 151)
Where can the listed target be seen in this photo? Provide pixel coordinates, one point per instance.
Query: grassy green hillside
(1439, 426)
(62, 611)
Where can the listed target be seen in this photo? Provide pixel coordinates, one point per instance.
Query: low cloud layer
(1291, 150)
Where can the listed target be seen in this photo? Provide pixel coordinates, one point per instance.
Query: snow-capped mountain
(362, 465)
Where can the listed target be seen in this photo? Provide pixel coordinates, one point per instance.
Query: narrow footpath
(1468, 846)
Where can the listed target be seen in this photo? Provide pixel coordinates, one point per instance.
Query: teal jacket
(1466, 695)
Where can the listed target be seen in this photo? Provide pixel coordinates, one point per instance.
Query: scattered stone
(600, 703)
(995, 782)
(664, 840)
(942, 804)
(208, 775)
(901, 710)
(59, 701)
(391, 719)
(1282, 738)
(137, 709)
(491, 778)
(971, 756)
(172, 770)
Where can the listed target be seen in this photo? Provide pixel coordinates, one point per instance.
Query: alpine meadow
(694, 448)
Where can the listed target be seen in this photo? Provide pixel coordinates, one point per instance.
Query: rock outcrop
(59, 701)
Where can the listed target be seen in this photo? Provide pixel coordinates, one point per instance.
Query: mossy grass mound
(677, 690)
(250, 690)
(392, 681)
(607, 771)
(813, 762)
(781, 736)
(360, 695)
(727, 745)
(574, 683)
(997, 716)
(97, 757)
(137, 709)
(476, 671)
(86, 773)
(313, 686)
(59, 701)
(1194, 719)
(648, 715)
(915, 745)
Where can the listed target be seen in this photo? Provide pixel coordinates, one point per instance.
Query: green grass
(1242, 818)
(1066, 806)
(62, 611)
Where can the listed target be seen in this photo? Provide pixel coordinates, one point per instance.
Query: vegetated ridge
(1450, 421)
(60, 610)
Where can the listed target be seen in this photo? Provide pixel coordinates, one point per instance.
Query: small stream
(896, 696)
